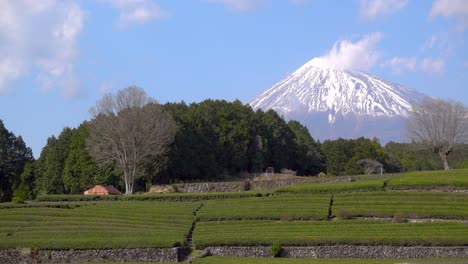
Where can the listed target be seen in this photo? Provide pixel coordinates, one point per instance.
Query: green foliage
(21, 194)
(218, 138)
(14, 155)
(28, 179)
(308, 155)
(80, 171)
(342, 155)
(65, 166)
(414, 158)
(51, 163)
(275, 249)
(101, 225)
(354, 232)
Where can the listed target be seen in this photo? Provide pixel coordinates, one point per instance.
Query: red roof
(102, 190)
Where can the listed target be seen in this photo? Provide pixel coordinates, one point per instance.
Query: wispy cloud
(433, 65)
(439, 40)
(451, 8)
(40, 36)
(241, 5)
(401, 64)
(371, 9)
(137, 11)
(346, 55)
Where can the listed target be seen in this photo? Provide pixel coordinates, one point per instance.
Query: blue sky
(58, 57)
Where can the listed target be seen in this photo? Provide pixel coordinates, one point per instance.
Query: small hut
(102, 190)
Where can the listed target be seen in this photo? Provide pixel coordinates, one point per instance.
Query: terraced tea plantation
(98, 225)
(372, 185)
(270, 207)
(431, 180)
(406, 204)
(301, 233)
(427, 209)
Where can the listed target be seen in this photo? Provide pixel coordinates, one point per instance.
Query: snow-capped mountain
(340, 103)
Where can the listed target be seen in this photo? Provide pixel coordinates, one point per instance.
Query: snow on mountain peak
(319, 86)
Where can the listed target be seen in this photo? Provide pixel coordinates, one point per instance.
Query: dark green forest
(215, 140)
(14, 155)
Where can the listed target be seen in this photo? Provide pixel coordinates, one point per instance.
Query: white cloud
(439, 40)
(429, 65)
(371, 9)
(241, 5)
(401, 64)
(40, 36)
(347, 55)
(10, 69)
(452, 8)
(137, 11)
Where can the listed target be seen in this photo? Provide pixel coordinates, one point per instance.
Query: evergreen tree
(342, 155)
(14, 155)
(25, 189)
(308, 156)
(80, 171)
(52, 162)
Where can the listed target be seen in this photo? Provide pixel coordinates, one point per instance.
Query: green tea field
(424, 209)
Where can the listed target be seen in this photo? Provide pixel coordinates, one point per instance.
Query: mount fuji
(335, 103)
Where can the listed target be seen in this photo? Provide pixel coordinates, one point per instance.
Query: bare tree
(370, 166)
(439, 125)
(129, 129)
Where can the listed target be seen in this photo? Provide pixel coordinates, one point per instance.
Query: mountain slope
(340, 103)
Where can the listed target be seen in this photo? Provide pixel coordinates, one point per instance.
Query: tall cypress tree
(14, 155)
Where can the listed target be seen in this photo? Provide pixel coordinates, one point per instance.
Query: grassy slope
(229, 260)
(255, 232)
(387, 204)
(103, 225)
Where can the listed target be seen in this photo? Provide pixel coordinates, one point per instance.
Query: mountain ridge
(315, 92)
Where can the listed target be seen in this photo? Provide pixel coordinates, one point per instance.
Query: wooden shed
(102, 190)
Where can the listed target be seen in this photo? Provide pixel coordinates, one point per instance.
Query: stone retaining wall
(271, 184)
(238, 186)
(28, 256)
(205, 187)
(344, 251)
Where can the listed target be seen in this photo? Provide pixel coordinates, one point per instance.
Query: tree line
(214, 140)
(207, 141)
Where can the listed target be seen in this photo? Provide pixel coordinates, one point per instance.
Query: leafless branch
(131, 130)
(439, 125)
